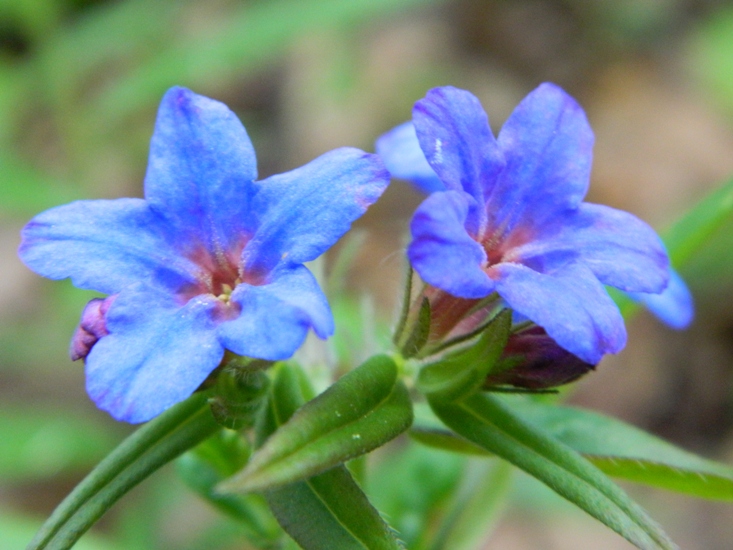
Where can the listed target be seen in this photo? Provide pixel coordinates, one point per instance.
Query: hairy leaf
(485, 421)
(363, 410)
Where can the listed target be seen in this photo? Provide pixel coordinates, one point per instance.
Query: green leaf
(428, 430)
(150, 447)
(363, 410)
(623, 451)
(445, 440)
(328, 510)
(485, 421)
(462, 372)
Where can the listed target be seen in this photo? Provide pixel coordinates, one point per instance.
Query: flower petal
(442, 252)
(303, 212)
(455, 136)
(275, 317)
(548, 144)
(618, 247)
(674, 306)
(104, 245)
(201, 171)
(571, 305)
(156, 354)
(404, 158)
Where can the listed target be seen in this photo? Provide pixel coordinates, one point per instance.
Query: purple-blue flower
(511, 218)
(211, 259)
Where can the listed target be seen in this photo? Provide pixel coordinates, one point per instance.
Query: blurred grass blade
(150, 447)
(212, 461)
(38, 442)
(26, 190)
(623, 451)
(328, 510)
(689, 235)
(255, 34)
(363, 410)
(691, 231)
(485, 421)
(476, 505)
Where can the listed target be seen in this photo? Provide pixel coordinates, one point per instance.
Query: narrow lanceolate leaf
(623, 451)
(431, 432)
(328, 510)
(445, 440)
(484, 420)
(462, 372)
(150, 447)
(360, 412)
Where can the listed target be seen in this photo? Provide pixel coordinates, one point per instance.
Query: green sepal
(463, 372)
(156, 443)
(420, 331)
(237, 396)
(328, 510)
(626, 452)
(363, 410)
(484, 420)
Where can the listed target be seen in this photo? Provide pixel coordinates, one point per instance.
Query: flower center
(226, 293)
(218, 275)
(500, 245)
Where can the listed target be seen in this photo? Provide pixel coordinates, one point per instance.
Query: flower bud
(533, 360)
(92, 327)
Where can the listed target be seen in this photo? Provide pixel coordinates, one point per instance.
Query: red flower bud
(533, 360)
(92, 327)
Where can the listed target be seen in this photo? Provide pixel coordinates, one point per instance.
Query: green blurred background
(79, 85)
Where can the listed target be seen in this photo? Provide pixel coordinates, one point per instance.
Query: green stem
(156, 443)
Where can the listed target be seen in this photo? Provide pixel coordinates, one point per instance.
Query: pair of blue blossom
(212, 259)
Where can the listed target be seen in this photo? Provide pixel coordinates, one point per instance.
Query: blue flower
(211, 260)
(510, 217)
